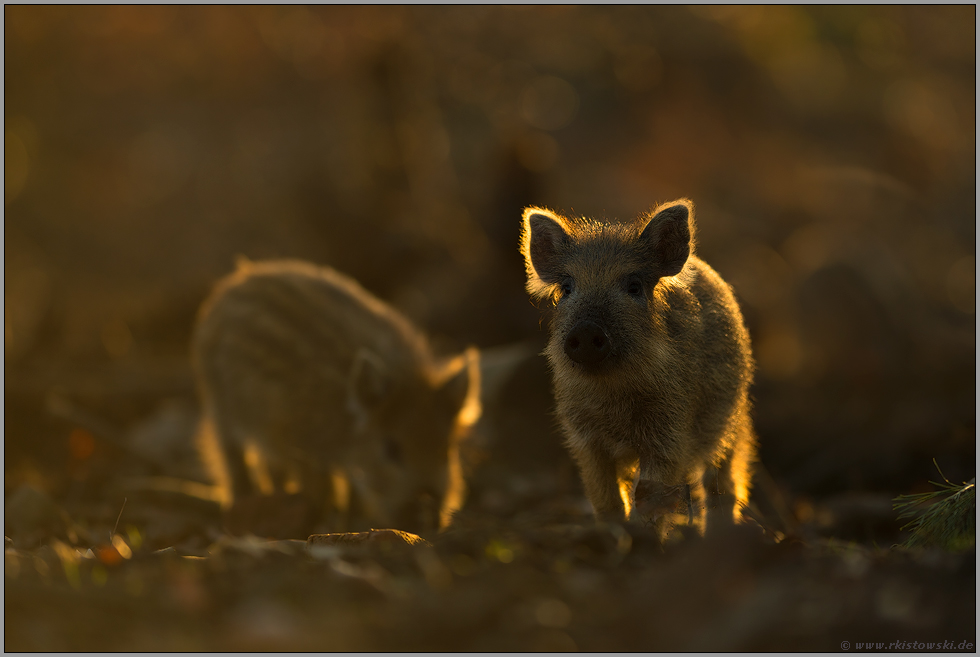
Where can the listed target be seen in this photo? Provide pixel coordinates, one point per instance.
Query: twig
(116, 526)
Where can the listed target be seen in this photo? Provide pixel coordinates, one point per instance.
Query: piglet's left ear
(544, 240)
(668, 237)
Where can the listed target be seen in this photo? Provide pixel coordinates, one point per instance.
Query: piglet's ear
(543, 242)
(368, 385)
(668, 237)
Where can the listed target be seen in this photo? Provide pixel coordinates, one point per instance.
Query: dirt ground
(830, 153)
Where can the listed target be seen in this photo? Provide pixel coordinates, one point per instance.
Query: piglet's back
(275, 302)
(288, 329)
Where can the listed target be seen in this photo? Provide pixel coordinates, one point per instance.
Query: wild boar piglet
(650, 357)
(310, 383)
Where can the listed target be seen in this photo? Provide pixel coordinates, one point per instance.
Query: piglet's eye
(634, 286)
(566, 287)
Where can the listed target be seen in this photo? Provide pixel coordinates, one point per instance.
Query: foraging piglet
(650, 358)
(310, 383)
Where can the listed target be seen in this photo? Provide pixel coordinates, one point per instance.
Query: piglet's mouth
(606, 367)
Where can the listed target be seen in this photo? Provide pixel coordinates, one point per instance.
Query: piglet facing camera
(650, 357)
(309, 383)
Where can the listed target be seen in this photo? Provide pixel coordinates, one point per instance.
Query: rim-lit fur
(310, 382)
(668, 401)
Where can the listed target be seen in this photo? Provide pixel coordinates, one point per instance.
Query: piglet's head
(601, 277)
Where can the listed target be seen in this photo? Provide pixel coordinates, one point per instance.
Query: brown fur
(309, 382)
(668, 404)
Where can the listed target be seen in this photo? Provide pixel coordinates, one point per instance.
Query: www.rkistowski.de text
(907, 645)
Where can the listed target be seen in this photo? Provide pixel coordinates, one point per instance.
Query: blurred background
(831, 155)
(830, 152)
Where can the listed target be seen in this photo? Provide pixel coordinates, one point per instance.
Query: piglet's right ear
(543, 242)
(367, 386)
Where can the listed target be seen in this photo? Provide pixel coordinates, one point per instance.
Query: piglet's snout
(587, 344)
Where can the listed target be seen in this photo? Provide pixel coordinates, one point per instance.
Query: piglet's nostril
(587, 343)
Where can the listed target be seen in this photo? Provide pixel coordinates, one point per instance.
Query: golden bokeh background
(830, 152)
(831, 155)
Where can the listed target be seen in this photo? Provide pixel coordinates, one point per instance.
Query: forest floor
(521, 568)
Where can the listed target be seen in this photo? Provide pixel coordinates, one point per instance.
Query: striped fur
(310, 383)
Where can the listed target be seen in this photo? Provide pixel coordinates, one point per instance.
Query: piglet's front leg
(608, 481)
